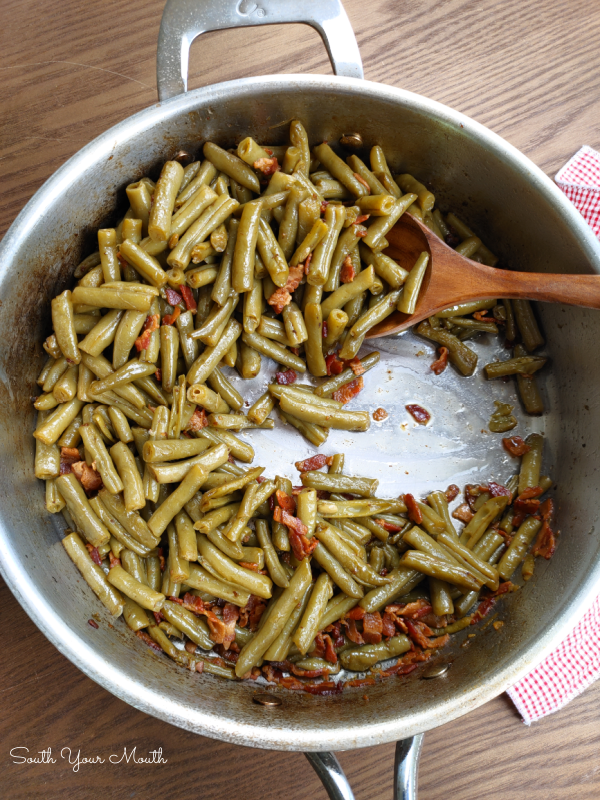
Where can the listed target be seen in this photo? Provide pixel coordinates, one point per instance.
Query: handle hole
(230, 54)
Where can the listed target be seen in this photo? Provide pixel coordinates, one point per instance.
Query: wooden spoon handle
(575, 290)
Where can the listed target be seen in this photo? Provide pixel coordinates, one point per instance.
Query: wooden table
(531, 71)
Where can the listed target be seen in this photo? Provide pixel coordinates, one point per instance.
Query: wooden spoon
(452, 278)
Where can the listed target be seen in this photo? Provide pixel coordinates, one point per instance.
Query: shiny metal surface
(518, 212)
(184, 20)
(332, 776)
(406, 768)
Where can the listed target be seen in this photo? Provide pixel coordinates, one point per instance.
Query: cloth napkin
(575, 664)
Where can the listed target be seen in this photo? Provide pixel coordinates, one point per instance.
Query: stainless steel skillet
(518, 212)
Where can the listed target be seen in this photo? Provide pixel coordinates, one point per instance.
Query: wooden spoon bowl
(451, 279)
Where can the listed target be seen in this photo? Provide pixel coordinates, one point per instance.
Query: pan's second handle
(406, 767)
(184, 20)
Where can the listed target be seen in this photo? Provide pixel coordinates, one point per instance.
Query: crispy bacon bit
(452, 492)
(94, 554)
(420, 633)
(113, 560)
(151, 324)
(463, 513)
(380, 414)
(483, 609)
(532, 491)
(294, 278)
(198, 420)
(355, 613)
(285, 378)
(356, 365)
(360, 231)
(147, 640)
(297, 530)
(93, 623)
(267, 166)
(347, 273)
(249, 565)
(158, 616)
(313, 463)
(190, 647)
(222, 629)
(87, 476)
(68, 457)
(349, 390)
(285, 501)
(361, 218)
(251, 613)
(545, 543)
(169, 319)
(388, 627)
(333, 364)
(188, 299)
(415, 610)
(324, 205)
(173, 297)
(515, 445)
(418, 413)
(363, 181)
(389, 526)
(336, 633)
(280, 299)
(352, 631)
(324, 647)
(497, 490)
(372, 628)
(524, 507)
(414, 512)
(481, 316)
(441, 362)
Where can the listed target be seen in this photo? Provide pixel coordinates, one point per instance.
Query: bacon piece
(333, 364)
(360, 231)
(158, 616)
(363, 181)
(87, 476)
(414, 512)
(324, 205)
(418, 608)
(189, 646)
(532, 491)
(389, 526)
(545, 543)
(251, 613)
(350, 390)
(313, 463)
(483, 609)
(285, 378)
(356, 366)
(325, 688)
(149, 641)
(306, 265)
(169, 319)
(301, 545)
(93, 623)
(330, 654)
(249, 565)
(68, 457)
(222, 629)
(463, 513)
(497, 490)
(295, 276)
(380, 414)
(285, 501)
(452, 492)
(352, 631)
(524, 507)
(481, 316)
(335, 632)
(347, 273)
(372, 628)
(420, 633)
(280, 299)
(173, 297)
(441, 362)
(361, 218)
(418, 413)
(355, 613)
(158, 376)
(188, 299)
(515, 445)
(113, 561)
(151, 324)
(197, 421)
(388, 627)
(94, 554)
(268, 166)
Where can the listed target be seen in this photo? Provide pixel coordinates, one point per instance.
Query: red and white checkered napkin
(575, 664)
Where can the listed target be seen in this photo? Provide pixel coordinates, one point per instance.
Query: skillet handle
(184, 20)
(406, 767)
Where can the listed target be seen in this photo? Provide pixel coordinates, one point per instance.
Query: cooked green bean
(200, 579)
(322, 256)
(514, 366)
(175, 501)
(364, 656)
(131, 521)
(231, 165)
(209, 359)
(64, 326)
(222, 386)
(308, 626)
(93, 574)
(276, 571)
(365, 487)
(314, 433)
(463, 358)
(274, 350)
(531, 463)
(261, 409)
(329, 418)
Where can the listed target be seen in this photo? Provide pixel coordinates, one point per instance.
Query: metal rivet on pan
(268, 700)
(182, 157)
(351, 140)
(436, 671)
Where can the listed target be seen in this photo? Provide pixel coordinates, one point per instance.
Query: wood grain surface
(530, 71)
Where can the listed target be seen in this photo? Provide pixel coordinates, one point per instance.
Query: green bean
(358, 508)
(65, 387)
(202, 580)
(518, 547)
(276, 571)
(314, 341)
(212, 520)
(444, 570)
(232, 485)
(309, 211)
(93, 574)
(373, 316)
(409, 184)
(254, 497)
(206, 173)
(237, 448)
(107, 246)
(471, 559)
(187, 622)
(132, 564)
(178, 566)
(402, 580)
(254, 582)
(337, 322)
(294, 324)
(248, 361)
(314, 433)
(54, 425)
(365, 487)
(376, 205)
(273, 350)
(101, 367)
(280, 648)
(232, 165)
(242, 265)
(210, 219)
(169, 350)
(463, 358)
(141, 594)
(320, 263)
(412, 286)
(133, 487)
(116, 529)
(71, 437)
(261, 409)
(254, 650)
(384, 266)
(82, 513)
(531, 463)
(232, 549)
(478, 525)
(220, 384)
(134, 615)
(308, 626)
(334, 383)
(464, 309)
(441, 599)
(299, 139)
(340, 171)
(381, 169)
(364, 656)
(288, 228)
(131, 521)
(330, 418)
(527, 324)
(378, 229)
(209, 359)
(123, 375)
(64, 326)
(336, 608)
(528, 388)
(348, 291)
(165, 193)
(347, 557)
(47, 456)
(314, 236)
(272, 255)
(514, 366)
(93, 260)
(361, 169)
(175, 501)
(56, 371)
(439, 503)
